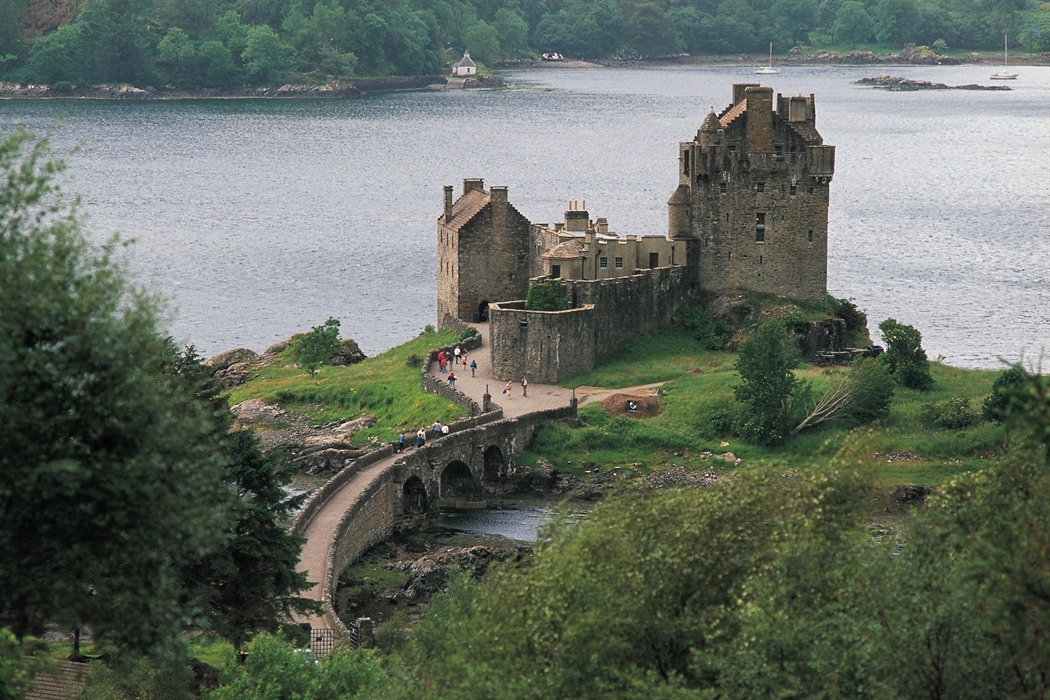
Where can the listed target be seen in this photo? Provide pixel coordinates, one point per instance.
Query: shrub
(951, 414)
(712, 333)
(414, 361)
(63, 87)
(847, 310)
(469, 332)
(767, 384)
(546, 296)
(1004, 398)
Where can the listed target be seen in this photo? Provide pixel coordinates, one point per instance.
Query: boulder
(256, 411)
(234, 375)
(223, 360)
(349, 353)
(354, 425)
(325, 441)
(327, 460)
(733, 307)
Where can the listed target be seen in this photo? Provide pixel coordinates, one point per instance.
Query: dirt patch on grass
(634, 406)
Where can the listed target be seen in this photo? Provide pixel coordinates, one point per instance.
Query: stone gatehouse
(750, 212)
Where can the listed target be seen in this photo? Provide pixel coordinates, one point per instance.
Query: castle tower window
(779, 151)
(603, 263)
(811, 190)
(759, 259)
(555, 271)
(732, 148)
(793, 191)
(760, 187)
(811, 235)
(685, 162)
(619, 263)
(760, 227)
(723, 188)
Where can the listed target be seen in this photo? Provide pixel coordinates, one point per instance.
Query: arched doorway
(414, 497)
(493, 463)
(483, 312)
(458, 483)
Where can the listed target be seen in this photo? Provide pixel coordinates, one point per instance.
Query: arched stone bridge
(374, 496)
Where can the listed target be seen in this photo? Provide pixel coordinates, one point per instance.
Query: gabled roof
(466, 208)
(465, 62)
(711, 122)
(54, 683)
(734, 112)
(565, 250)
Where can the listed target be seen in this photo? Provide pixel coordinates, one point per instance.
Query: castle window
(732, 148)
(811, 235)
(555, 271)
(811, 190)
(760, 235)
(779, 151)
(761, 187)
(759, 259)
(603, 263)
(730, 255)
(793, 191)
(619, 263)
(760, 227)
(723, 188)
(685, 162)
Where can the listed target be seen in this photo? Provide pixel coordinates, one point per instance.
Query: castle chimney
(759, 119)
(473, 183)
(798, 111)
(448, 203)
(740, 91)
(498, 197)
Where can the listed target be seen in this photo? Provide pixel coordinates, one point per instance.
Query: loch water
(261, 218)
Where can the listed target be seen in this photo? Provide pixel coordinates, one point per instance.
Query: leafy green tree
(863, 395)
(18, 665)
(60, 55)
(110, 470)
(895, 21)
(852, 24)
(546, 296)
(905, 356)
(265, 57)
(216, 63)
(177, 51)
(767, 384)
(513, 32)
(795, 18)
(317, 347)
(649, 30)
(483, 42)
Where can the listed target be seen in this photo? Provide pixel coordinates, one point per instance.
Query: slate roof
(711, 122)
(466, 208)
(806, 131)
(64, 681)
(465, 62)
(566, 249)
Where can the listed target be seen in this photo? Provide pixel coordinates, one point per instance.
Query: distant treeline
(221, 43)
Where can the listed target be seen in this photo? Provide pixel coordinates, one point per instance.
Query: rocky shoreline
(336, 88)
(896, 84)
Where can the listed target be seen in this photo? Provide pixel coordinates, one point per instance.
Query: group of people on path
(438, 428)
(456, 356)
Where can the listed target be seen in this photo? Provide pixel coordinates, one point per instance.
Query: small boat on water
(1005, 73)
(769, 69)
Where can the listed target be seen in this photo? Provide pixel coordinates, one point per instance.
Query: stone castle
(750, 212)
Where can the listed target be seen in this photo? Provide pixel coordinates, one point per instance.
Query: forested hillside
(220, 43)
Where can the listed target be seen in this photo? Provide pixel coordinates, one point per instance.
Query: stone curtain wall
(545, 346)
(627, 307)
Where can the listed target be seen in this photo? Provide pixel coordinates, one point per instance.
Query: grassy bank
(385, 386)
(697, 411)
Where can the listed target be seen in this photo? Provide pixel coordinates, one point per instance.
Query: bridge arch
(458, 482)
(414, 497)
(494, 463)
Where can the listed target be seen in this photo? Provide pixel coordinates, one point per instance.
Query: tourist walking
(401, 442)
(443, 360)
(457, 352)
(452, 379)
(444, 430)
(437, 429)
(524, 387)
(506, 389)
(421, 437)
(473, 367)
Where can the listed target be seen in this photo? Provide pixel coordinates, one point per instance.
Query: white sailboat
(1005, 73)
(770, 70)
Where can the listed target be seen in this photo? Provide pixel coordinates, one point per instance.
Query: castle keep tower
(483, 249)
(752, 198)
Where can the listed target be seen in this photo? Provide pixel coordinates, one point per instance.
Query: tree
(905, 356)
(317, 347)
(863, 395)
(852, 23)
(483, 42)
(513, 32)
(767, 383)
(895, 21)
(110, 471)
(264, 56)
(795, 18)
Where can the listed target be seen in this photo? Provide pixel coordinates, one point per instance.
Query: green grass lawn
(384, 386)
(696, 416)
